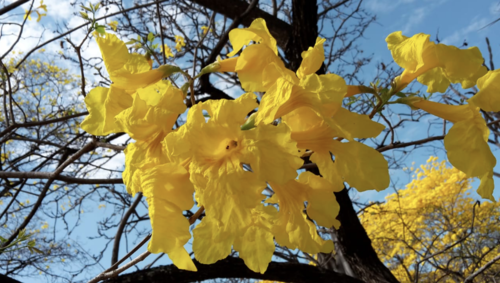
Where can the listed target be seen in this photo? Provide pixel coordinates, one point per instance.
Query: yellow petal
(302, 119)
(155, 110)
(467, 146)
(228, 65)
(256, 245)
(181, 259)
(361, 166)
(352, 125)
(130, 81)
(137, 155)
(209, 243)
(114, 51)
(232, 112)
(328, 169)
(316, 138)
(169, 192)
(452, 113)
(271, 153)
(104, 104)
(488, 97)
(322, 205)
(463, 66)
(251, 63)
(292, 229)
(412, 54)
(485, 189)
(257, 31)
(275, 97)
(275, 70)
(435, 80)
(312, 59)
(229, 198)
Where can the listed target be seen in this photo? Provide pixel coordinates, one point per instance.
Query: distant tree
(433, 231)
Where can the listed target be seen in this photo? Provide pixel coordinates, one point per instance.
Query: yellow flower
(466, 141)
(231, 195)
(150, 118)
(179, 43)
(488, 97)
(254, 59)
(103, 105)
(167, 50)
(113, 25)
(128, 71)
(205, 29)
(27, 14)
(435, 65)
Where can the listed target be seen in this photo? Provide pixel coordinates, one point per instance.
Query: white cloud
(458, 36)
(415, 18)
(495, 8)
(385, 6)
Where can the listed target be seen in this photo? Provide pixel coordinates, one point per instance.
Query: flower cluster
(224, 158)
(436, 66)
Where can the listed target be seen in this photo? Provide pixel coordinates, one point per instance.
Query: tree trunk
(355, 254)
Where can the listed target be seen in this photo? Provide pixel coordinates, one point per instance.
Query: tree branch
(235, 268)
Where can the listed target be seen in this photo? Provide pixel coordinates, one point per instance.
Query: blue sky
(456, 21)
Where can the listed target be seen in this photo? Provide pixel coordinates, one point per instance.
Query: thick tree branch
(57, 176)
(235, 268)
(279, 29)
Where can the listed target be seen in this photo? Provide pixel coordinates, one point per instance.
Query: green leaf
(151, 37)
(400, 94)
(85, 8)
(101, 30)
(84, 15)
(36, 250)
(97, 6)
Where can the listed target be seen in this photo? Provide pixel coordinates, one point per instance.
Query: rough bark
(303, 32)
(356, 246)
(235, 268)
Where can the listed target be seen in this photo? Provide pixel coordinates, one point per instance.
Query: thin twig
(197, 215)
(83, 25)
(482, 269)
(119, 232)
(195, 55)
(121, 269)
(88, 147)
(161, 33)
(56, 176)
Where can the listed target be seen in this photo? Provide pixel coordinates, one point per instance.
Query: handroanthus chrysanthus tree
(434, 231)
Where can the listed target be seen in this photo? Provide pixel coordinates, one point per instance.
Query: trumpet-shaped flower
(435, 65)
(466, 141)
(217, 149)
(103, 105)
(129, 71)
(359, 165)
(254, 58)
(150, 118)
(323, 93)
(488, 97)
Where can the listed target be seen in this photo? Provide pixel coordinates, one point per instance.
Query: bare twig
(119, 232)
